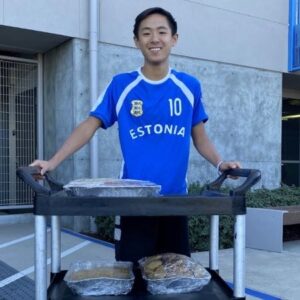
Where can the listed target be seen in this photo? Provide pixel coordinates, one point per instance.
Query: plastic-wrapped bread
(111, 187)
(173, 273)
(100, 278)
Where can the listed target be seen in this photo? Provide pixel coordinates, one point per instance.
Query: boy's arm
(78, 138)
(205, 147)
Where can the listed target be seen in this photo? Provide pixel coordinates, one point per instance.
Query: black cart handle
(252, 177)
(28, 174)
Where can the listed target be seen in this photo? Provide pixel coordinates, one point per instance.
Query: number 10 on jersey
(175, 107)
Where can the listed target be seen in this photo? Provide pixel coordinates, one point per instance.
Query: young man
(158, 109)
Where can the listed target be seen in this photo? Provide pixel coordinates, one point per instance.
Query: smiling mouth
(156, 49)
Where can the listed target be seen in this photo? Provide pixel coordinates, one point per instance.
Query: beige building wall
(251, 33)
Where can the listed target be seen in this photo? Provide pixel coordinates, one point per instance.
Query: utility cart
(55, 202)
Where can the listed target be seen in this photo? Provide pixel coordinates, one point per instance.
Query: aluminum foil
(170, 273)
(100, 278)
(111, 187)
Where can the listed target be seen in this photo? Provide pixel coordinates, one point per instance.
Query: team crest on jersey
(136, 108)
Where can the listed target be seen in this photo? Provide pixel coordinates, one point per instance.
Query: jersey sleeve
(199, 113)
(105, 107)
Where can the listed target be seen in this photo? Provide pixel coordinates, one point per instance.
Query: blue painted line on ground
(257, 294)
(89, 238)
(250, 292)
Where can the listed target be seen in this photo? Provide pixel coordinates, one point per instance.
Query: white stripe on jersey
(122, 170)
(184, 89)
(125, 93)
(100, 98)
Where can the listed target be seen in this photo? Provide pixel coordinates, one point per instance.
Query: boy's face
(155, 39)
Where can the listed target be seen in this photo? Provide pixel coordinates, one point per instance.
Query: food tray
(171, 273)
(95, 278)
(111, 187)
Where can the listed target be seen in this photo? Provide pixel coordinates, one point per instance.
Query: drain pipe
(93, 59)
(40, 108)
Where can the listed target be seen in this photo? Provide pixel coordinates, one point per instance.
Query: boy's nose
(155, 37)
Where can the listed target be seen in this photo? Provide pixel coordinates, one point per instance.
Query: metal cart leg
(214, 243)
(239, 256)
(40, 258)
(55, 245)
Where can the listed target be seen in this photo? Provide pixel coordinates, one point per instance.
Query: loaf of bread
(101, 272)
(95, 278)
(111, 187)
(170, 265)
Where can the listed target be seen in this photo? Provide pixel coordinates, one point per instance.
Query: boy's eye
(162, 32)
(146, 33)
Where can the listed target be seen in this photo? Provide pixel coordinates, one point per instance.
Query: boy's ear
(136, 42)
(175, 38)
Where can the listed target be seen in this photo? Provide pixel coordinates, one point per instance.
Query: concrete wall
(251, 33)
(66, 102)
(65, 17)
(244, 106)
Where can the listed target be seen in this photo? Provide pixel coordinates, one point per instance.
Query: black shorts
(147, 236)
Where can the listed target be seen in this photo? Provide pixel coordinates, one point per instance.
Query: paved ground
(269, 275)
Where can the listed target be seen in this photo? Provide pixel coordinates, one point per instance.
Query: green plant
(285, 195)
(105, 228)
(199, 232)
(196, 188)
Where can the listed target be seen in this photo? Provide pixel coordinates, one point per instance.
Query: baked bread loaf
(173, 273)
(171, 265)
(111, 187)
(95, 278)
(101, 272)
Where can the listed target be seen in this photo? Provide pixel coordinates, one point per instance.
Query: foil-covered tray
(111, 187)
(90, 278)
(170, 273)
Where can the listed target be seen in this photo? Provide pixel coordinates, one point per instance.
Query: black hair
(154, 10)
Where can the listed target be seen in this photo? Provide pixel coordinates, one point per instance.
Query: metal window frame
(294, 19)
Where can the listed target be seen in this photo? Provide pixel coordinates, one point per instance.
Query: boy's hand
(227, 165)
(43, 165)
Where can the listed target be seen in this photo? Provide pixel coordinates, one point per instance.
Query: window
(290, 172)
(294, 36)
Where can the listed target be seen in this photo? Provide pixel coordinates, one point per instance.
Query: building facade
(238, 49)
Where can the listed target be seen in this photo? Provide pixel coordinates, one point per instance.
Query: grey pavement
(269, 275)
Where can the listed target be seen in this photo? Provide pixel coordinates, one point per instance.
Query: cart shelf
(217, 289)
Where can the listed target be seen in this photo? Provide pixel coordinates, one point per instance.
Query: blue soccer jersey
(155, 119)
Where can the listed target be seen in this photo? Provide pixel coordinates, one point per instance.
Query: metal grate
(22, 288)
(18, 99)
